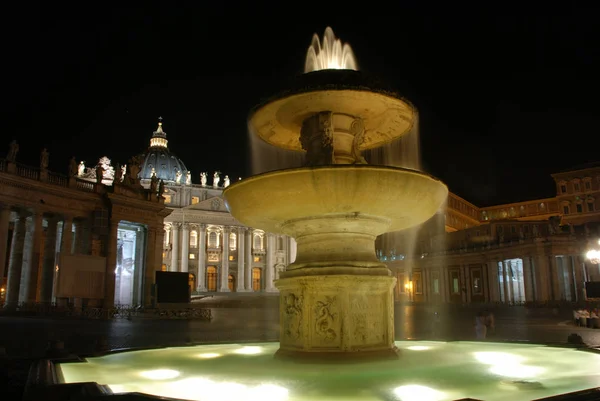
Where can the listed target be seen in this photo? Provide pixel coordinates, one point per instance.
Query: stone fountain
(336, 299)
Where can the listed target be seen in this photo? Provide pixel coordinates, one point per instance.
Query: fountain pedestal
(324, 316)
(336, 299)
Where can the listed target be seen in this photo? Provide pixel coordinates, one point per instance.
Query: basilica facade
(202, 238)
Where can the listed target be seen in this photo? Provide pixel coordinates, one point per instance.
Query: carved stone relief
(292, 305)
(325, 318)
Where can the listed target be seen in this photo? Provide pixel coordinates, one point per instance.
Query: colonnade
(528, 278)
(38, 239)
(270, 253)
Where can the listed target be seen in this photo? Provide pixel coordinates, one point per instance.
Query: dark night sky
(506, 97)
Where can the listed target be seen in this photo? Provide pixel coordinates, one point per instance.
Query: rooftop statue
(13, 149)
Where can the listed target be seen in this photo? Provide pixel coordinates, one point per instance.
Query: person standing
(480, 327)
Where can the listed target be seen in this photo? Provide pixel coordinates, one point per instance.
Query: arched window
(232, 241)
(194, 239)
(213, 240)
(280, 243)
(258, 242)
(591, 204)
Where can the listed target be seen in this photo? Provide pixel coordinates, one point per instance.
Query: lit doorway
(211, 279)
(131, 248)
(192, 282)
(256, 277)
(231, 282)
(511, 283)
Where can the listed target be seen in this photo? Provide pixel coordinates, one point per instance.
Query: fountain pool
(426, 371)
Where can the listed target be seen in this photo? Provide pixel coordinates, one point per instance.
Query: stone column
(425, 281)
(31, 259)
(444, 285)
(66, 247)
(528, 280)
(269, 264)
(154, 247)
(174, 247)
(542, 277)
(554, 279)
(565, 281)
(248, 259)
(492, 268)
(111, 265)
(464, 269)
(165, 246)
(225, 262)
(579, 278)
(4, 222)
(241, 244)
(82, 237)
(49, 260)
(292, 250)
(185, 247)
(201, 278)
(505, 282)
(15, 263)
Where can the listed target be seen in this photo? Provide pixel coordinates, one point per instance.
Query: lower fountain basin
(426, 371)
(391, 198)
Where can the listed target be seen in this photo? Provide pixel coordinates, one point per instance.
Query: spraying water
(330, 54)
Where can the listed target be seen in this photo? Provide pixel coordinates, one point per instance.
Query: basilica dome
(159, 160)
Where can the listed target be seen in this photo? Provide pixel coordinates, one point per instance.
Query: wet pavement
(26, 338)
(29, 336)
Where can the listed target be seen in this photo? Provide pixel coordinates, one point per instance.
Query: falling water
(402, 152)
(266, 157)
(408, 245)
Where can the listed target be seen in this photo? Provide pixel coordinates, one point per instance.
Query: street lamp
(594, 255)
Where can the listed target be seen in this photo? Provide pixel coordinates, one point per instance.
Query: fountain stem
(332, 138)
(336, 244)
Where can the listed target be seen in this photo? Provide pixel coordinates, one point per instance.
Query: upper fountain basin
(387, 116)
(270, 201)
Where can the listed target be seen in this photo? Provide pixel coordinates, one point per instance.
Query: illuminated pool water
(426, 371)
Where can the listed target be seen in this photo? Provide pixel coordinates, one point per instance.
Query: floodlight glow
(220, 391)
(208, 355)
(249, 350)
(415, 392)
(498, 358)
(267, 392)
(418, 348)
(517, 371)
(159, 374)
